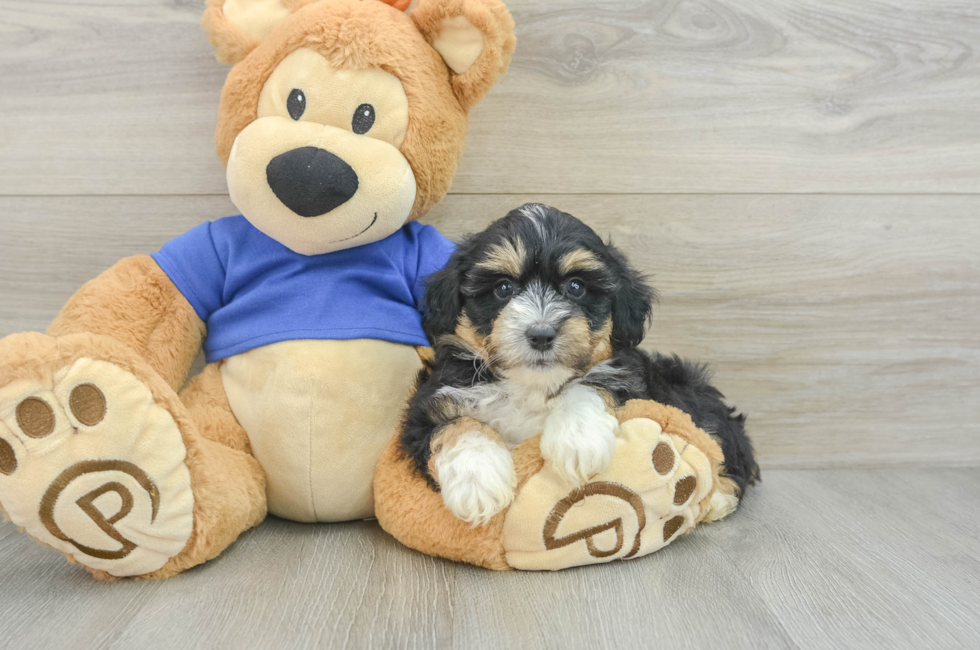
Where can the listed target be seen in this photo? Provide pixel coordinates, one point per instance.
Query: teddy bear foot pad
(649, 495)
(92, 466)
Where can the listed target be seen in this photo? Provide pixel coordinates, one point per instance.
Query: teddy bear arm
(137, 304)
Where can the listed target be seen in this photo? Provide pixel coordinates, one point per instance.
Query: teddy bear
(340, 124)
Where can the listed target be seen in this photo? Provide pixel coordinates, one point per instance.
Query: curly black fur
(452, 367)
(617, 292)
(677, 382)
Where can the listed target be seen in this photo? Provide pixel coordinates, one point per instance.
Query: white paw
(580, 435)
(720, 506)
(476, 477)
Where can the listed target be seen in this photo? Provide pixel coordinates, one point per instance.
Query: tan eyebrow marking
(508, 258)
(579, 260)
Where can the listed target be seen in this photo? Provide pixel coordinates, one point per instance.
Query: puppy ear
(632, 304)
(235, 27)
(474, 37)
(443, 299)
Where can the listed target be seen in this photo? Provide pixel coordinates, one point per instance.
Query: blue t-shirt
(252, 291)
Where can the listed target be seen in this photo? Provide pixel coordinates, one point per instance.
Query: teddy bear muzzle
(311, 181)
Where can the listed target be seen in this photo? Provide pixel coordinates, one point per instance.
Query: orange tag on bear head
(400, 5)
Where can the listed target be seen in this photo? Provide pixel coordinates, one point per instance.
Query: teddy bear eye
(296, 104)
(363, 119)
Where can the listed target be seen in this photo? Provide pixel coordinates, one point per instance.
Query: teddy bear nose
(311, 181)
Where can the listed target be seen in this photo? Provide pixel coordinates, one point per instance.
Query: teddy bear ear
(235, 27)
(474, 37)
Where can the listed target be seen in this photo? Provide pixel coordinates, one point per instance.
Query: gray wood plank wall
(799, 178)
(616, 96)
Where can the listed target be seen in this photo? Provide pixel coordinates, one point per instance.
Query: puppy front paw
(580, 435)
(476, 477)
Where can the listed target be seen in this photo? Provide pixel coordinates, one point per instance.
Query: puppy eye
(296, 104)
(504, 290)
(575, 288)
(363, 119)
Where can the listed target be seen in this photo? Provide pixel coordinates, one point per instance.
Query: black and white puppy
(535, 323)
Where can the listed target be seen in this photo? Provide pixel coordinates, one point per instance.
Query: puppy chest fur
(513, 410)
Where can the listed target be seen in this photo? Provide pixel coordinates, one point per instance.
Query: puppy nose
(311, 181)
(541, 338)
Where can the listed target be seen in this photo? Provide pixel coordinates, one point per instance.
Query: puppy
(535, 324)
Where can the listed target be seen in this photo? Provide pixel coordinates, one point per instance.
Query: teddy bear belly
(318, 415)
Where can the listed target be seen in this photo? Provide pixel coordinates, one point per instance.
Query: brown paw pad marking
(672, 526)
(88, 404)
(35, 417)
(578, 495)
(663, 458)
(8, 459)
(86, 503)
(684, 489)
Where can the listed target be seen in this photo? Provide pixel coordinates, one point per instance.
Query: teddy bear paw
(92, 466)
(650, 493)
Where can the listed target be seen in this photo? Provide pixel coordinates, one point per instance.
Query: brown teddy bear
(340, 124)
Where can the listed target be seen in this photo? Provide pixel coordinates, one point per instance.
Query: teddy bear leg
(207, 402)
(229, 484)
(652, 492)
(414, 513)
(724, 498)
(100, 460)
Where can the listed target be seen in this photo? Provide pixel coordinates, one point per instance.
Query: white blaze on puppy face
(535, 306)
(320, 170)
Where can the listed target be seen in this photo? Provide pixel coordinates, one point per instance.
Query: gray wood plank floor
(814, 559)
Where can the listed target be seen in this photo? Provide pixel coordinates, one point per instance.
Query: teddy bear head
(343, 119)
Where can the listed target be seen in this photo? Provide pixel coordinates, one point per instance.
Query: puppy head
(342, 119)
(539, 297)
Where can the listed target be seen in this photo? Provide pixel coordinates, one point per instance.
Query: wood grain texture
(821, 559)
(643, 96)
(845, 326)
